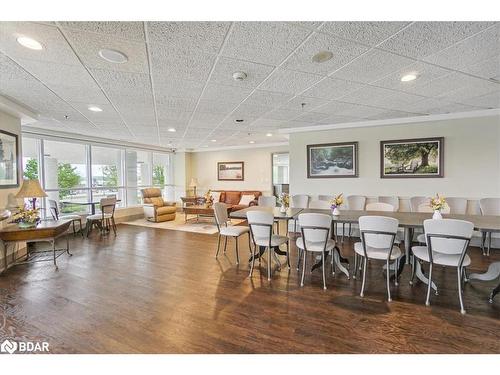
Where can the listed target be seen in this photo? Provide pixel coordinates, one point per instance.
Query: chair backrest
(319, 204)
(448, 227)
(54, 209)
(379, 206)
(393, 201)
(417, 201)
(356, 202)
(267, 201)
(220, 211)
(378, 224)
(320, 221)
(108, 205)
(490, 206)
(300, 201)
(327, 198)
(152, 196)
(457, 205)
(425, 207)
(260, 223)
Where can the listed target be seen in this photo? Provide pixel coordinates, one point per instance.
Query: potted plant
(437, 203)
(336, 202)
(284, 201)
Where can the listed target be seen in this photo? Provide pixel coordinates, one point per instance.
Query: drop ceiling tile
(289, 81)
(213, 106)
(368, 95)
(206, 119)
(124, 30)
(489, 68)
(76, 94)
(206, 36)
(176, 104)
(267, 124)
(224, 93)
(331, 88)
(312, 117)
(107, 114)
(399, 101)
(171, 115)
(225, 67)
(56, 49)
(452, 108)
(422, 39)
(349, 109)
(282, 114)
(263, 42)
(122, 83)
(391, 114)
(268, 98)
(370, 33)
(335, 119)
(491, 100)
(468, 53)
(304, 103)
(168, 86)
(246, 110)
(343, 52)
(476, 87)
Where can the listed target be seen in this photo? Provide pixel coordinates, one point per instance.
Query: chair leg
(112, 225)
(237, 252)
(459, 277)
(413, 267)
(74, 230)
(252, 253)
(343, 230)
(269, 260)
(303, 268)
(323, 266)
(466, 278)
(288, 254)
(429, 286)
(333, 261)
(299, 255)
(225, 244)
(364, 261)
(388, 273)
(350, 230)
(489, 244)
(218, 246)
(253, 258)
(355, 266)
(81, 226)
(396, 264)
(89, 227)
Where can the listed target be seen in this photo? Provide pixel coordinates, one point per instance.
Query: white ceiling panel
(225, 93)
(312, 117)
(225, 67)
(331, 88)
(169, 86)
(289, 81)
(215, 106)
(422, 39)
(491, 100)
(349, 109)
(304, 103)
(268, 98)
(123, 30)
(369, 33)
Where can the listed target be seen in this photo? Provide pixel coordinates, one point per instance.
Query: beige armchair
(155, 208)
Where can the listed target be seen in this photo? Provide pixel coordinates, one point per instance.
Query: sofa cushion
(232, 197)
(155, 201)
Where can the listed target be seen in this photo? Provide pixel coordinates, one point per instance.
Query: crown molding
(242, 147)
(395, 121)
(17, 110)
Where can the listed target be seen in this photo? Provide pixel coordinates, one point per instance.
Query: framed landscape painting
(404, 158)
(231, 171)
(331, 160)
(9, 156)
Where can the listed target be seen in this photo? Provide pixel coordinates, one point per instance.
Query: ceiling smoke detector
(113, 56)
(239, 76)
(322, 56)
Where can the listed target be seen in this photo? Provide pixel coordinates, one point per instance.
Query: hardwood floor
(162, 291)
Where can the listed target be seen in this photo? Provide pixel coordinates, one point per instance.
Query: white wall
(258, 169)
(471, 160)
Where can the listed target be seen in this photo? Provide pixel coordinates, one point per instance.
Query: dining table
(92, 204)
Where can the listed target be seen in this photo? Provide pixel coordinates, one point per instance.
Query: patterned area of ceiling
(179, 75)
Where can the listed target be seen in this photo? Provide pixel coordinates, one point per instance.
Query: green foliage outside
(31, 170)
(110, 175)
(158, 175)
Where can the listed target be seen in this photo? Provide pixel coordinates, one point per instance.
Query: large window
(75, 173)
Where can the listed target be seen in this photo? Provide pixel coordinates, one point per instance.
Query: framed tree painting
(331, 160)
(414, 158)
(231, 171)
(9, 160)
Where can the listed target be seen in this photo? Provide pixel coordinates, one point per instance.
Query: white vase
(437, 215)
(336, 211)
(282, 208)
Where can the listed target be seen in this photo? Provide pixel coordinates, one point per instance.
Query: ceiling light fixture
(239, 76)
(409, 77)
(252, 142)
(30, 43)
(172, 130)
(269, 134)
(113, 56)
(322, 56)
(213, 140)
(93, 108)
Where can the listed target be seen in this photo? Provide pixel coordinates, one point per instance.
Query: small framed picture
(331, 160)
(231, 171)
(9, 160)
(412, 158)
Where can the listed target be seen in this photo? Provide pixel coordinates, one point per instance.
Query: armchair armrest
(167, 203)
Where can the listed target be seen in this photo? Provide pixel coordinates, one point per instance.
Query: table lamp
(31, 189)
(193, 184)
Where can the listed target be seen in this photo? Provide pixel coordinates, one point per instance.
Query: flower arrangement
(27, 217)
(209, 200)
(284, 200)
(438, 203)
(337, 201)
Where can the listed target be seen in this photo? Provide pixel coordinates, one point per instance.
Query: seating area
(213, 187)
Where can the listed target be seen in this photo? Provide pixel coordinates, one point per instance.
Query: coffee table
(200, 210)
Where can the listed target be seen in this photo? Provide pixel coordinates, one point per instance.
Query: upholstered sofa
(233, 197)
(155, 208)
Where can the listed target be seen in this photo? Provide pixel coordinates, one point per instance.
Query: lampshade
(194, 182)
(31, 189)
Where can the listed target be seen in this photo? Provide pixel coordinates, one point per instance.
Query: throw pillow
(215, 196)
(246, 199)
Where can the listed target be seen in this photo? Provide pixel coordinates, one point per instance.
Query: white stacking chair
(489, 206)
(261, 229)
(393, 201)
(327, 198)
(378, 234)
(225, 230)
(447, 244)
(379, 206)
(320, 205)
(315, 230)
(298, 201)
(357, 203)
(457, 206)
(416, 202)
(104, 219)
(267, 201)
(425, 207)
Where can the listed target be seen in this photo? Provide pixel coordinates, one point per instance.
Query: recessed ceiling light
(93, 108)
(172, 130)
(239, 120)
(322, 56)
(251, 142)
(269, 134)
(408, 77)
(213, 140)
(29, 43)
(113, 56)
(239, 76)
